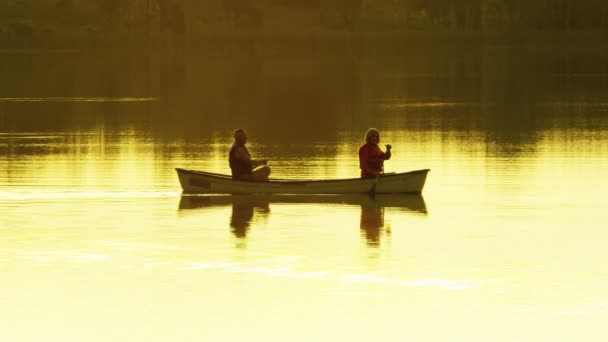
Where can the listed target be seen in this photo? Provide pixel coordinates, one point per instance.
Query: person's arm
(242, 155)
(387, 154)
(258, 162)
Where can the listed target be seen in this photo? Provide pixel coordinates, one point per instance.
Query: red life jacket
(371, 159)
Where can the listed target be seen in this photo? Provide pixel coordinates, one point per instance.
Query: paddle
(372, 191)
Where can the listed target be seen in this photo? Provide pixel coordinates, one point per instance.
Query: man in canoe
(243, 167)
(371, 158)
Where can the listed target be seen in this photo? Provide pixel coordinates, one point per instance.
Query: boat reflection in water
(248, 209)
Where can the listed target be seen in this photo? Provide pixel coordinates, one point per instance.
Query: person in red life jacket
(241, 164)
(371, 158)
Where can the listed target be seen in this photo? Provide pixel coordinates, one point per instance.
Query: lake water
(506, 243)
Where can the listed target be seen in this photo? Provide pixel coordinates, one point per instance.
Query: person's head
(240, 137)
(372, 136)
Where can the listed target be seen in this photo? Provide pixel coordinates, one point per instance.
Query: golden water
(101, 245)
(506, 243)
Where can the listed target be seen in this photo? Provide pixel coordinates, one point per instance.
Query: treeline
(29, 18)
(557, 14)
(482, 15)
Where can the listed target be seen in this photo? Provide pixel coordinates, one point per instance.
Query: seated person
(243, 167)
(371, 158)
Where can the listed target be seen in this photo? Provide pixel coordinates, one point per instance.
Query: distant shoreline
(315, 42)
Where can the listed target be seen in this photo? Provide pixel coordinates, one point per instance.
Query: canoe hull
(200, 182)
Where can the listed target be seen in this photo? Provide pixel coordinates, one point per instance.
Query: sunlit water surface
(506, 243)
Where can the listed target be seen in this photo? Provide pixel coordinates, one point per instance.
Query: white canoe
(200, 182)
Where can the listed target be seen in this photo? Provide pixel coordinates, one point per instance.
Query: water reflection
(372, 224)
(372, 214)
(243, 214)
(507, 94)
(248, 210)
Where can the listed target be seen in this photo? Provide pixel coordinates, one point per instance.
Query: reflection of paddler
(246, 209)
(372, 222)
(242, 215)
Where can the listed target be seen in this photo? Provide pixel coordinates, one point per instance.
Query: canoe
(200, 182)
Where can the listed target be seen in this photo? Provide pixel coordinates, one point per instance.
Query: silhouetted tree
(110, 9)
(64, 4)
(171, 16)
(351, 12)
(341, 13)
